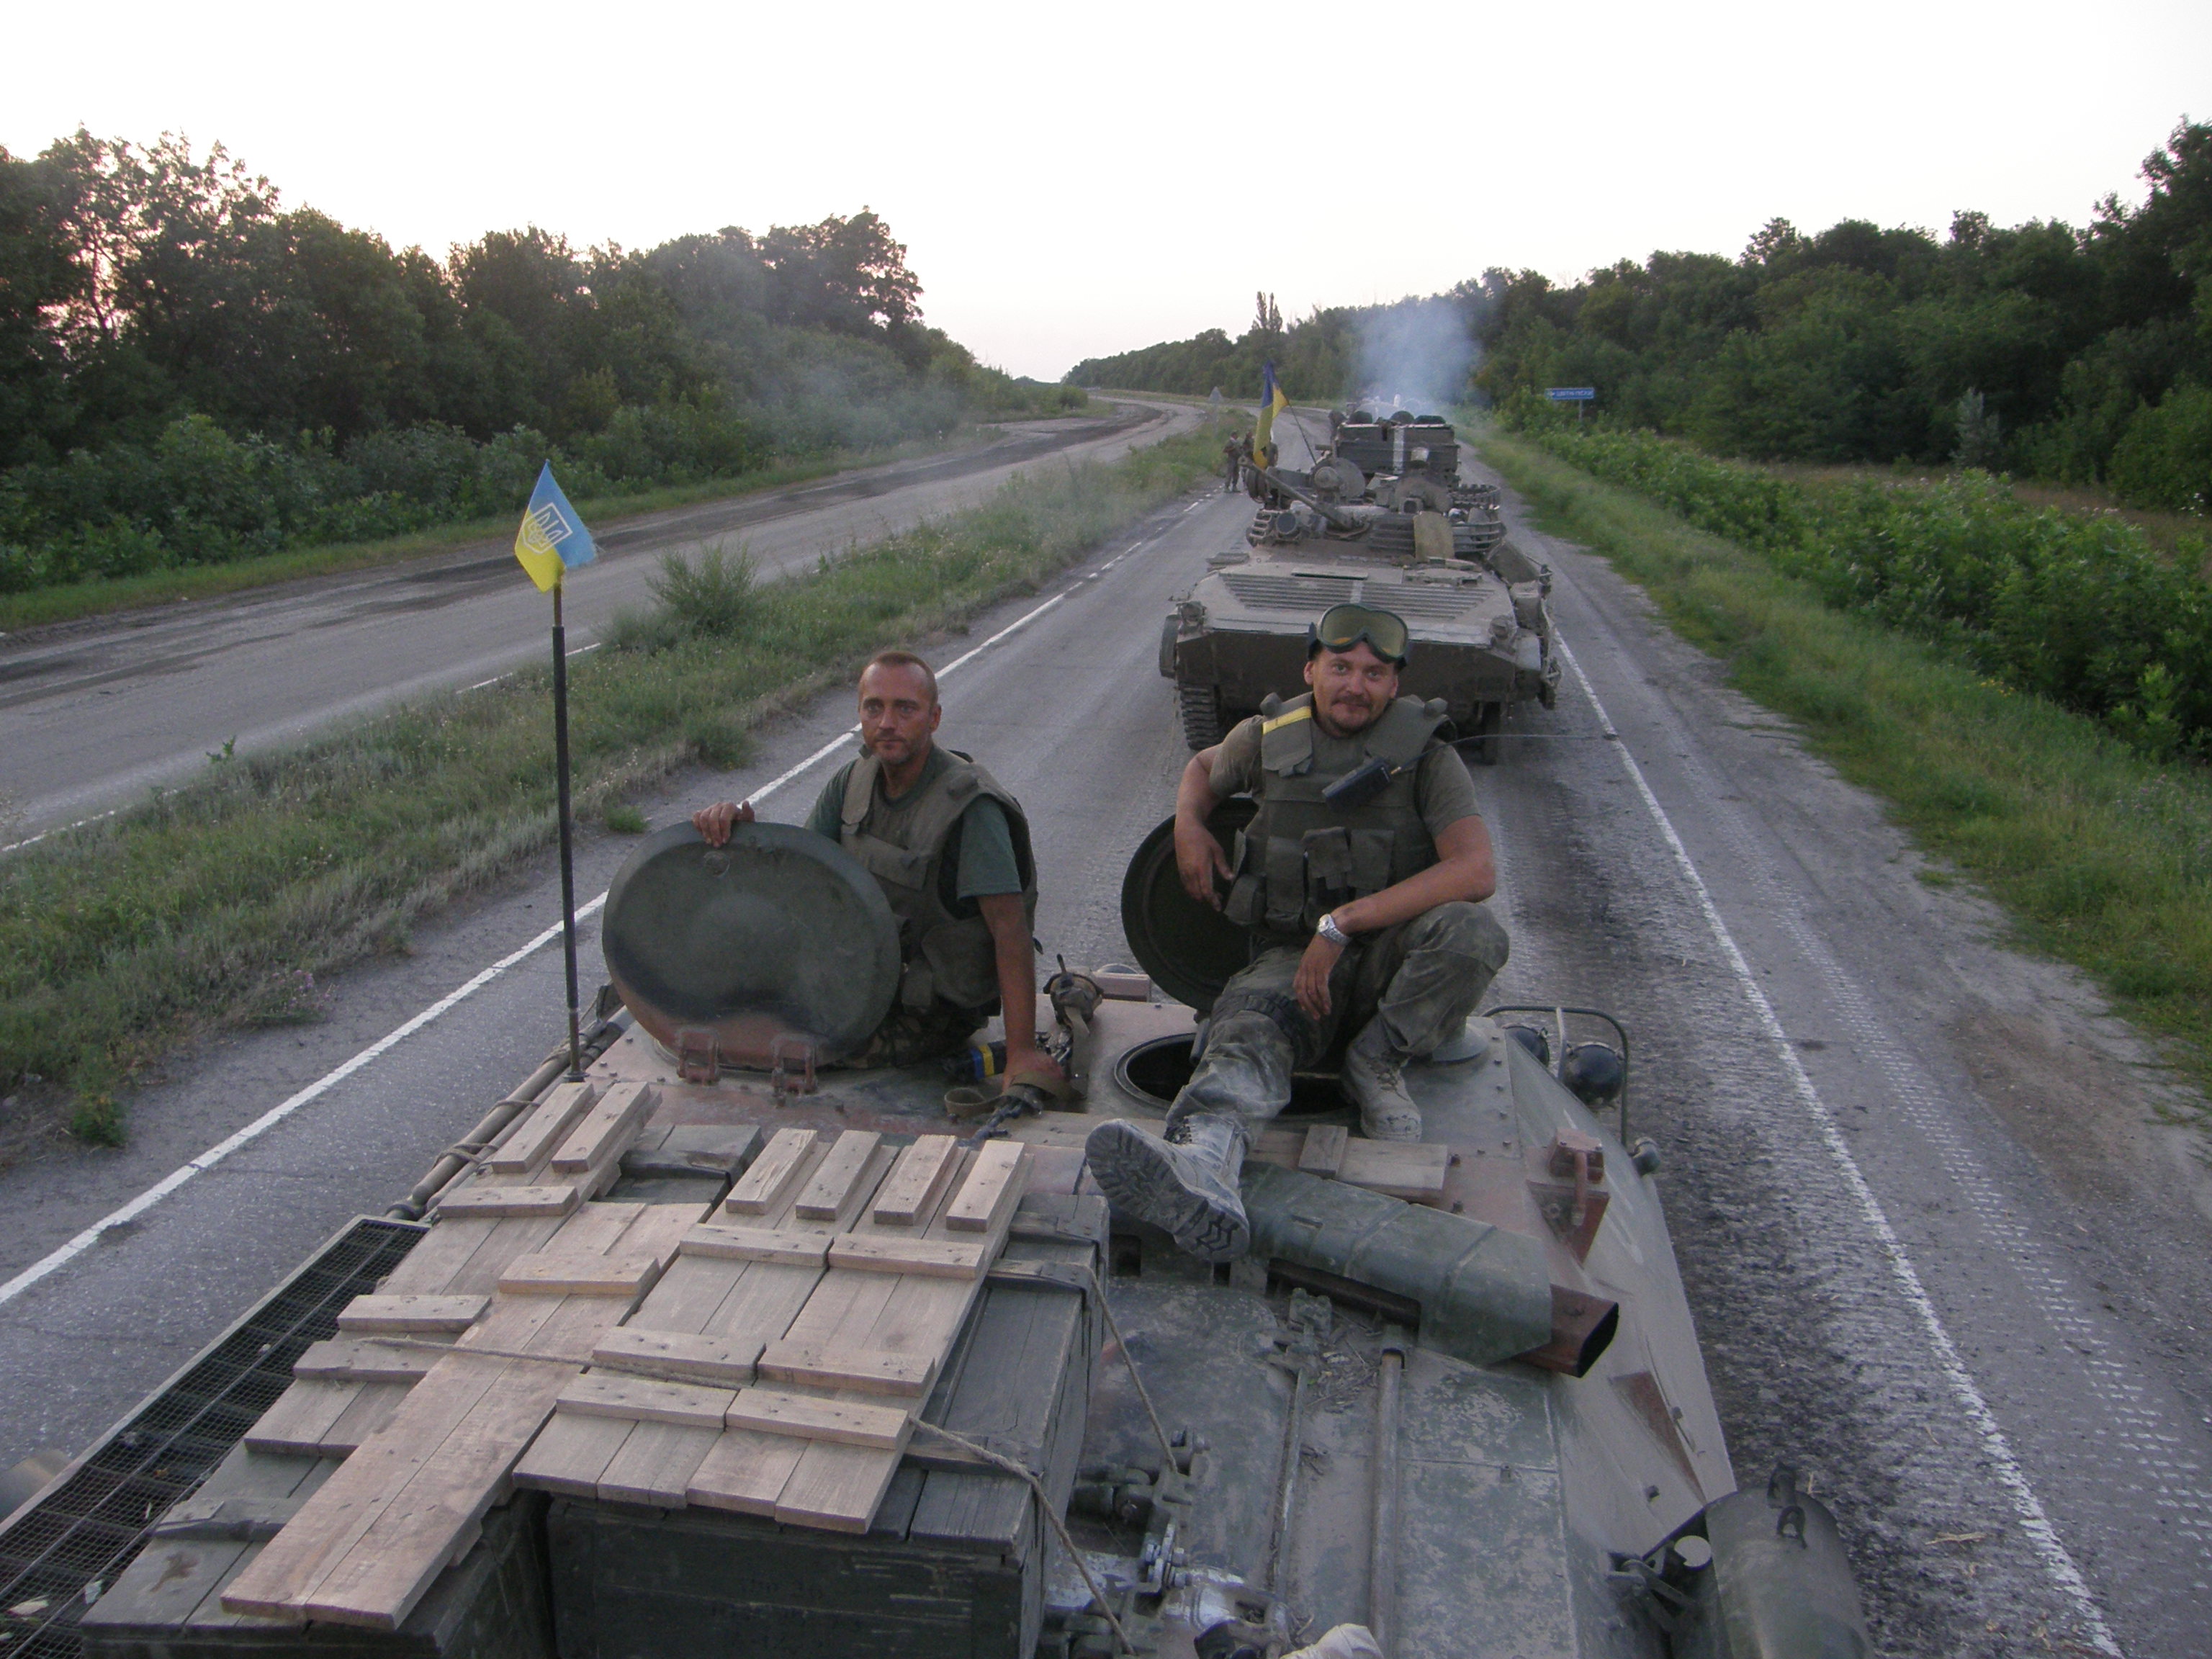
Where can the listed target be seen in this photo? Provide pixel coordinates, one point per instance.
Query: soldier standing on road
(950, 850)
(1363, 916)
(1232, 461)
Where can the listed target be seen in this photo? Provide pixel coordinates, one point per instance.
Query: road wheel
(1483, 747)
(1201, 706)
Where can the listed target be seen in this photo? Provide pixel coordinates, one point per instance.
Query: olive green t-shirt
(987, 865)
(1443, 788)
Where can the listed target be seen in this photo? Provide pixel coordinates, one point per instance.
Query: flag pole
(568, 836)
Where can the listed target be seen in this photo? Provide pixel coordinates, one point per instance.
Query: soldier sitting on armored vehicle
(950, 849)
(1359, 882)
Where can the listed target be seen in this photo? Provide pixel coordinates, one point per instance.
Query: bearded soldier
(950, 850)
(1363, 905)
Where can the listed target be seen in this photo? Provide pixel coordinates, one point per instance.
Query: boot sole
(1141, 1182)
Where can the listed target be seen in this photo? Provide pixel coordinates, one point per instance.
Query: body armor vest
(1300, 857)
(945, 944)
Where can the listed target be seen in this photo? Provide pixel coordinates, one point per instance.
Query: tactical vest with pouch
(910, 846)
(1300, 856)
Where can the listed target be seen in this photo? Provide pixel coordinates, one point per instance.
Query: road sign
(1570, 394)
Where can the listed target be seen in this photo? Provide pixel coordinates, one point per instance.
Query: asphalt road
(93, 715)
(1942, 1256)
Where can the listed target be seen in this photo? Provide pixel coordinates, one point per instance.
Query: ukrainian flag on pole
(552, 539)
(1270, 402)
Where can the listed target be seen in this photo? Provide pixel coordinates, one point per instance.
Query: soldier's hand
(1201, 863)
(1311, 986)
(713, 822)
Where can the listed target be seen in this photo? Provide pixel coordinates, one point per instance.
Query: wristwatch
(1328, 929)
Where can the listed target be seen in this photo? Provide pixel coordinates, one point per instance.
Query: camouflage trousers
(1421, 979)
(910, 1035)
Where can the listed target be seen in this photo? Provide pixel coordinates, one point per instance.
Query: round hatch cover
(1190, 949)
(779, 933)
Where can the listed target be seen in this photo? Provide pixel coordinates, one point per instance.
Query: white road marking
(55, 1260)
(62, 830)
(2034, 1522)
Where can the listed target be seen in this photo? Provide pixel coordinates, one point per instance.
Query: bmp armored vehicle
(1474, 603)
(1388, 443)
(721, 1350)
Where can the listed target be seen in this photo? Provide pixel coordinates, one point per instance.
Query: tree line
(2072, 354)
(190, 369)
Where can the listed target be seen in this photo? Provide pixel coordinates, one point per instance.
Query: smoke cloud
(1415, 354)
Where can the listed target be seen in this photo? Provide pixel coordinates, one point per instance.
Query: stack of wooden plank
(371, 1539)
(561, 1152)
(777, 1367)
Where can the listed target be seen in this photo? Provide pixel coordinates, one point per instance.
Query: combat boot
(1187, 1190)
(1373, 1076)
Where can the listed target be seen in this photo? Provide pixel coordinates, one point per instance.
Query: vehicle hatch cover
(1190, 949)
(779, 932)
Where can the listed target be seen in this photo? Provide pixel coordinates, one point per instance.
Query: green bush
(2078, 608)
(2164, 457)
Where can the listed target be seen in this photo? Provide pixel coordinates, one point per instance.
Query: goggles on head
(1343, 626)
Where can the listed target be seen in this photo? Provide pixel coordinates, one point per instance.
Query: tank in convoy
(1388, 444)
(1476, 607)
(730, 1348)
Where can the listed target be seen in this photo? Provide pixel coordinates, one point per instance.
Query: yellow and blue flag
(552, 539)
(1272, 400)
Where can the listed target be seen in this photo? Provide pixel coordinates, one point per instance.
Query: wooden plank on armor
(569, 1272)
(940, 1258)
(809, 1417)
(404, 1315)
(679, 1357)
(829, 1191)
(541, 1129)
(830, 1365)
(989, 1191)
(571, 1452)
(641, 1400)
(607, 1129)
(728, 1244)
(363, 1359)
(916, 1181)
(485, 1198)
(1323, 1152)
(656, 1463)
(773, 1174)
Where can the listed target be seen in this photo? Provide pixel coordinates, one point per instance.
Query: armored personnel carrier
(718, 1350)
(1474, 602)
(1390, 444)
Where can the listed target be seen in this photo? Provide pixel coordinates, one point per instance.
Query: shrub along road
(93, 715)
(1939, 1255)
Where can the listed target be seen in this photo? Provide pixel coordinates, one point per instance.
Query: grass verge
(2102, 856)
(75, 601)
(217, 904)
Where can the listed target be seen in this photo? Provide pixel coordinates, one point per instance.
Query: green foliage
(2080, 609)
(192, 374)
(2069, 354)
(2099, 850)
(211, 904)
(714, 596)
(623, 819)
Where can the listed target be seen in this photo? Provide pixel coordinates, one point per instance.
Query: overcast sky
(1078, 182)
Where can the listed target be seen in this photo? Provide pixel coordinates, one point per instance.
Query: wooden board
(831, 1365)
(362, 1359)
(679, 1357)
(829, 1190)
(364, 1549)
(744, 1471)
(401, 1316)
(772, 1174)
(607, 1129)
(916, 1181)
(808, 1417)
(541, 1129)
(940, 1258)
(728, 1244)
(988, 1192)
(483, 1199)
(641, 1399)
(1323, 1151)
(570, 1453)
(558, 1273)
(655, 1464)
(1414, 1171)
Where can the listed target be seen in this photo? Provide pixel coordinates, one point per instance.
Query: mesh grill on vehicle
(1314, 594)
(83, 1531)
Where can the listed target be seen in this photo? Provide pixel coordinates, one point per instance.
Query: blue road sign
(1570, 394)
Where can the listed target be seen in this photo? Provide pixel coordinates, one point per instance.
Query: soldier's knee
(1463, 930)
